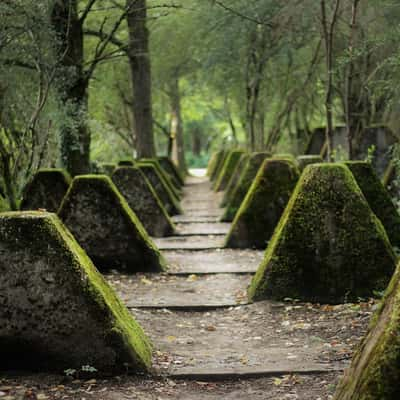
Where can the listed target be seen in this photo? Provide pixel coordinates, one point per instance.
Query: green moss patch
(235, 179)
(57, 312)
(303, 161)
(329, 246)
(378, 198)
(106, 227)
(164, 193)
(227, 170)
(46, 190)
(263, 205)
(143, 200)
(246, 179)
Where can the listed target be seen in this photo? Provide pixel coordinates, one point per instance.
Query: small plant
(85, 369)
(371, 154)
(70, 372)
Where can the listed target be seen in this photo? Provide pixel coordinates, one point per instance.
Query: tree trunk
(72, 86)
(328, 29)
(178, 146)
(139, 60)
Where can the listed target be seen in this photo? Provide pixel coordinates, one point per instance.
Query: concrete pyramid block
(227, 170)
(143, 200)
(221, 157)
(126, 163)
(57, 312)
(106, 227)
(46, 190)
(212, 162)
(303, 161)
(164, 193)
(378, 198)
(168, 165)
(106, 168)
(235, 179)
(374, 373)
(168, 180)
(329, 246)
(246, 179)
(263, 205)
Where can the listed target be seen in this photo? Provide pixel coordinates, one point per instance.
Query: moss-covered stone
(227, 170)
(166, 177)
(106, 227)
(46, 190)
(158, 183)
(143, 200)
(391, 181)
(381, 139)
(219, 164)
(235, 179)
(126, 163)
(168, 165)
(106, 168)
(374, 373)
(316, 142)
(378, 198)
(246, 179)
(212, 162)
(263, 205)
(57, 312)
(303, 161)
(329, 246)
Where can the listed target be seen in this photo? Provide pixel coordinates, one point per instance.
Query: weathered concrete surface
(194, 242)
(46, 190)
(174, 292)
(213, 262)
(143, 200)
(202, 229)
(56, 310)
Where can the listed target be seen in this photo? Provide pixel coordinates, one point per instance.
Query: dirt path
(209, 342)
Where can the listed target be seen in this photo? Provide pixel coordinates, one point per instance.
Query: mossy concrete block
(303, 161)
(391, 181)
(211, 162)
(46, 190)
(316, 142)
(106, 227)
(168, 165)
(126, 163)
(166, 177)
(227, 170)
(374, 373)
(246, 179)
(57, 312)
(219, 164)
(143, 200)
(381, 138)
(164, 193)
(106, 168)
(378, 198)
(235, 179)
(329, 247)
(263, 205)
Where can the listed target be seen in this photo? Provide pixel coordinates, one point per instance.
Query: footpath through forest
(209, 342)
